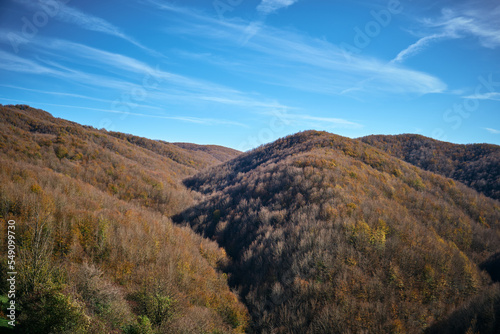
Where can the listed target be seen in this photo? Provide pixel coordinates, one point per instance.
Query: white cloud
(291, 59)
(196, 120)
(302, 120)
(14, 63)
(484, 25)
(494, 131)
(89, 22)
(494, 96)
(78, 96)
(266, 7)
(166, 87)
(322, 122)
(244, 102)
(417, 47)
(72, 15)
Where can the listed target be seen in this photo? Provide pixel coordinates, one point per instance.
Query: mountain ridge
(472, 164)
(313, 212)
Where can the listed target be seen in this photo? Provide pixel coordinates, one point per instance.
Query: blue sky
(241, 73)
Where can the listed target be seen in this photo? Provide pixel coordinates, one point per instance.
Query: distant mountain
(95, 249)
(219, 153)
(332, 235)
(476, 165)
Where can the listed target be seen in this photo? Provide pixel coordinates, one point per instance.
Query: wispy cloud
(196, 120)
(245, 102)
(124, 64)
(125, 75)
(14, 63)
(89, 22)
(163, 95)
(482, 24)
(78, 96)
(267, 7)
(295, 118)
(322, 122)
(72, 15)
(494, 96)
(291, 59)
(494, 131)
(418, 46)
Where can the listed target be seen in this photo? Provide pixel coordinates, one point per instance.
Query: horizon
(244, 73)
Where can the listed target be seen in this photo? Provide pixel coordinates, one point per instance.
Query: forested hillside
(331, 235)
(476, 165)
(96, 250)
(131, 168)
(313, 233)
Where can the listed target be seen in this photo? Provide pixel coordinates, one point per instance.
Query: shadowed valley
(330, 235)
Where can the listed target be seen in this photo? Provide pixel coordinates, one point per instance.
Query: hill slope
(94, 251)
(131, 168)
(219, 153)
(475, 165)
(331, 235)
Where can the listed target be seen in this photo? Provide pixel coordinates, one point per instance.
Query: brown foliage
(330, 235)
(92, 236)
(475, 165)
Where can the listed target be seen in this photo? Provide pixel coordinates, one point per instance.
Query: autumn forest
(312, 233)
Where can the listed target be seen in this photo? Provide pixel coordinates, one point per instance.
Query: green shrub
(157, 306)
(61, 151)
(52, 312)
(143, 326)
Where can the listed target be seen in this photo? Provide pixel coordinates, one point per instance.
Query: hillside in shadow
(475, 165)
(331, 235)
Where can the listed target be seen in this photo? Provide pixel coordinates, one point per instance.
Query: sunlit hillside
(96, 251)
(131, 168)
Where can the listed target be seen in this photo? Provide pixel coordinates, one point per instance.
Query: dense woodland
(331, 235)
(314, 233)
(96, 254)
(476, 165)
